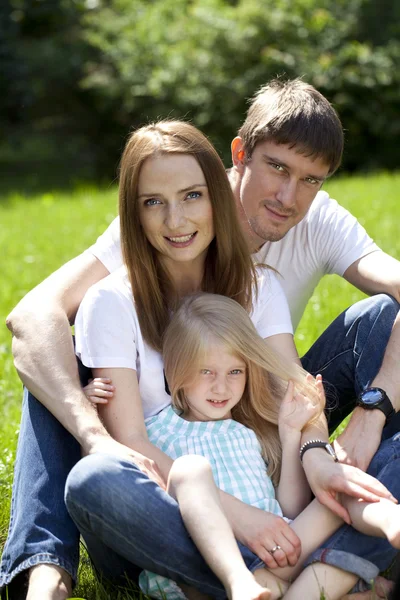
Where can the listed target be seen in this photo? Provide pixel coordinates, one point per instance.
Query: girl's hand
(99, 390)
(297, 410)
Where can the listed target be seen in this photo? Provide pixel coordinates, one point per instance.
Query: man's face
(275, 187)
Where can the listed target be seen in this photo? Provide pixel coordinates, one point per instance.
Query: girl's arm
(296, 410)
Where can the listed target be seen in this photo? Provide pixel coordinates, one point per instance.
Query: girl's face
(217, 387)
(175, 209)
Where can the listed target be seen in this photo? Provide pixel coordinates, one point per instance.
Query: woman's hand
(297, 410)
(262, 532)
(99, 390)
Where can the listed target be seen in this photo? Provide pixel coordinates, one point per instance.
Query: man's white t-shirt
(107, 331)
(327, 241)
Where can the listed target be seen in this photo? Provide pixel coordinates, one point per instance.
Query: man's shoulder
(321, 206)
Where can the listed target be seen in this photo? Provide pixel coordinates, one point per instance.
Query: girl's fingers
(289, 391)
(98, 400)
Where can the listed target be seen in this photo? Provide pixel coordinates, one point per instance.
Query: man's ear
(238, 154)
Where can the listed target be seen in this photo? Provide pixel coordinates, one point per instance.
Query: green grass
(40, 232)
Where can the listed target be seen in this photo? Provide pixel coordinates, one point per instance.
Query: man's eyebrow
(280, 162)
(187, 189)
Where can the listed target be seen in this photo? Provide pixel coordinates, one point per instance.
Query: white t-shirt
(327, 241)
(108, 334)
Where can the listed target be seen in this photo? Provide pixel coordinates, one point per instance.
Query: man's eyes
(276, 166)
(312, 180)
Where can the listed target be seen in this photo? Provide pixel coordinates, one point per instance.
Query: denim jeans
(348, 354)
(353, 551)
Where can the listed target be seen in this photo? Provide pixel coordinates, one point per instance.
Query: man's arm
(43, 350)
(374, 273)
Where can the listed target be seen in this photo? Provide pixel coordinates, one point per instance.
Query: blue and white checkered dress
(234, 453)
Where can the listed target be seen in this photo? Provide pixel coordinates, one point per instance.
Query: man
(290, 142)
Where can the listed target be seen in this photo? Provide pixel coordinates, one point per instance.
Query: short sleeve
(339, 238)
(106, 325)
(270, 315)
(107, 248)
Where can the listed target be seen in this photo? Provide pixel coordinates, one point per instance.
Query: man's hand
(107, 445)
(328, 478)
(360, 440)
(261, 531)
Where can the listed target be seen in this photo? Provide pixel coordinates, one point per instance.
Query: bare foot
(276, 586)
(381, 589)
(49, 582)
(247, 588)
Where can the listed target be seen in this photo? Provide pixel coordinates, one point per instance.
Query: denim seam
(129, 543)
(37, 559)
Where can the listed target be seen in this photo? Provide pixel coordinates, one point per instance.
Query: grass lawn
(39, 233)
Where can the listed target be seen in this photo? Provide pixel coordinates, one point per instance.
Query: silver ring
(274, 549)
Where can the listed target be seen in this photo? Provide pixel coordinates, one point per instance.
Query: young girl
(230, 417)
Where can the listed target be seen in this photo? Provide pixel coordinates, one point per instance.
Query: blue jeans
(353, 551)
(348, 354)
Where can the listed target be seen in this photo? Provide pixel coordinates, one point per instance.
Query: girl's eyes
(233, 372)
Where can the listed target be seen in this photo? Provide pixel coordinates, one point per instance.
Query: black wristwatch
(375, 398)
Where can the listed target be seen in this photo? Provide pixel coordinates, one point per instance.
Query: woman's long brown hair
(228, 269)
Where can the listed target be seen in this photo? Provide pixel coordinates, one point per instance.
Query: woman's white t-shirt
(108, 334)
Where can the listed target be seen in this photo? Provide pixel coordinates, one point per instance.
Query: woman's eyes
(192, 195)
(156, 201)
(205, 371)
(236, 372)
(152, 202)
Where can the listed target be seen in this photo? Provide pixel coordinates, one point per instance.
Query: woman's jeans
(127, 520)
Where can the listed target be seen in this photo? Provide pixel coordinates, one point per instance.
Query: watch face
(372, 396)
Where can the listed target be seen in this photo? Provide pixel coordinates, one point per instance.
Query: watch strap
(384, 405)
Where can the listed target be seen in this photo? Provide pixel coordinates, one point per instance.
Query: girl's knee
(191, 467)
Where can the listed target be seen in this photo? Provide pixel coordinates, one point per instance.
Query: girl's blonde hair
(228, 270)
(204, 319)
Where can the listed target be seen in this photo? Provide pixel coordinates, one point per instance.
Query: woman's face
(175, 208)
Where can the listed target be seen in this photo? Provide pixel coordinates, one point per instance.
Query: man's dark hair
(294, 113)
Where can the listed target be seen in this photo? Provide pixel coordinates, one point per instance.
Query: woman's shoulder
(109, 296)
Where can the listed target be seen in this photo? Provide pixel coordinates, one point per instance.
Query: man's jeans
(144, 525)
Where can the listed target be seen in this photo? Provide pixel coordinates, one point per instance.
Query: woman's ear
(238, 154)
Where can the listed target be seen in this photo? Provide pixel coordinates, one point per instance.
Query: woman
(179, 234)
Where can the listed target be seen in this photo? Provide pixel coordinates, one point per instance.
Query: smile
(277, 216)
(218, 402)
(182, 238)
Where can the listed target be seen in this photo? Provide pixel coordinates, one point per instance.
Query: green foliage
(201, 59)
(77, 75)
